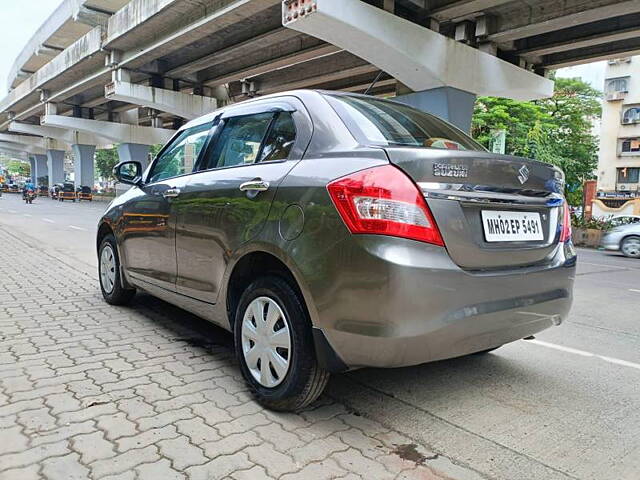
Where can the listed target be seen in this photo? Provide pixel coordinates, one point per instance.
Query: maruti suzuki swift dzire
(331, 231)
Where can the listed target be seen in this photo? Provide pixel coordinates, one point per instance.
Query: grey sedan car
(625, 238)
(332, 231)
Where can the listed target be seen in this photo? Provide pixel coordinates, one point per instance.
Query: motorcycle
(29, 196)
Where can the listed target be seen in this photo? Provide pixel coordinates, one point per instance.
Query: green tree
(16, 167)
(154, 150)
(515, 117)
(556, 130)
(105, 161)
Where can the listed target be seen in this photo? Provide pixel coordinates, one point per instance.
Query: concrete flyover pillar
(42, 170)
(83, 164)
(449, 103)
(134, 152)
(32, 164)
(39, 169)
(55, 163)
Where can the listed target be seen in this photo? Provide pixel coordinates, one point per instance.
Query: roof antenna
(375, 80)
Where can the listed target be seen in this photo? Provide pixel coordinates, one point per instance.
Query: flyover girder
(116, 132)
(68, 136)
(177, 103)
(420, 58)
(552, 15)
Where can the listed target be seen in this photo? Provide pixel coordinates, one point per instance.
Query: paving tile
(159, 470)
(182, 453)
(92, 447)
(67, 467)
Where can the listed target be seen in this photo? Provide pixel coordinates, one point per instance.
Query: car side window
(240, 140)
(280, 139)
(181, 155)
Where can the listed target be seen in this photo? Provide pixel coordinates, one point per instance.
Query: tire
(630, 247)
(109, 278)
(304, 380)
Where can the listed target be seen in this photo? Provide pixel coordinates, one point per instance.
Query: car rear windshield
(385, 123)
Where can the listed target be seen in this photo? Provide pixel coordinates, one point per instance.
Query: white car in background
(624, 238)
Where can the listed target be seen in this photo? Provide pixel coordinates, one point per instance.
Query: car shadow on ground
(186, 327)
(442, 379)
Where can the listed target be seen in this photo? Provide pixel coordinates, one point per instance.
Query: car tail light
(384, 201)
(565, 233)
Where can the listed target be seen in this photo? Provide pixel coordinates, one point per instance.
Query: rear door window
(239, 141)
(280, 139)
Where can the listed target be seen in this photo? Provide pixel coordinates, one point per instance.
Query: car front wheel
(109, 273)
(274, 346)
(630, 247)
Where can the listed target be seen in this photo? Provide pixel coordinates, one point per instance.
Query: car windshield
(381, 122)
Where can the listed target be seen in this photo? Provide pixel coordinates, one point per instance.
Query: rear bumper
(396, 302)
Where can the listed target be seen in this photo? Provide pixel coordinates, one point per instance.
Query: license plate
(502, 226)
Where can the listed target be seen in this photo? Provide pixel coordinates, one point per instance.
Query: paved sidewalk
(90, 391)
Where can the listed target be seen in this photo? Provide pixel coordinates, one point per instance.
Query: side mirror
(128, 172)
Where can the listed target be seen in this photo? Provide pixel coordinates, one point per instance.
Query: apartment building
(619, 158)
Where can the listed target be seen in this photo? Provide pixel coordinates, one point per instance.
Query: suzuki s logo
(523, 174)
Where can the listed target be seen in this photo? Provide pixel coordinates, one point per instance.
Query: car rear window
(385, 123)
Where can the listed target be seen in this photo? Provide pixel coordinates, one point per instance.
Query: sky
(19, 20)
(592, 73)
(18, 23)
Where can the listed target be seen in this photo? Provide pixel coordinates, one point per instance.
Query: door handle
(255, 185)
(171, 193)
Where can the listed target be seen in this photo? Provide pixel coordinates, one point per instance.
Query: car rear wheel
(630, 247)
(274, 346)
(109, 273)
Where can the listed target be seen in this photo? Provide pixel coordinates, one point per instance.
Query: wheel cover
(631, 247)
(266, 342)
(107, 269)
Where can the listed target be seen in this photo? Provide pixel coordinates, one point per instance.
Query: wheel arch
(104, 229)
(265, 262)
(249, 266)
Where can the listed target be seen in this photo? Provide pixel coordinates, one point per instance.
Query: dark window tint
(240, 140)
(181, 155)
(380, 122)
(280, 139)
(628, 175)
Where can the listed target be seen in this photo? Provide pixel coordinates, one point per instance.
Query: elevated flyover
(157, 63)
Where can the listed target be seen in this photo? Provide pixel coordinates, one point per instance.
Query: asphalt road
(565, 405)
